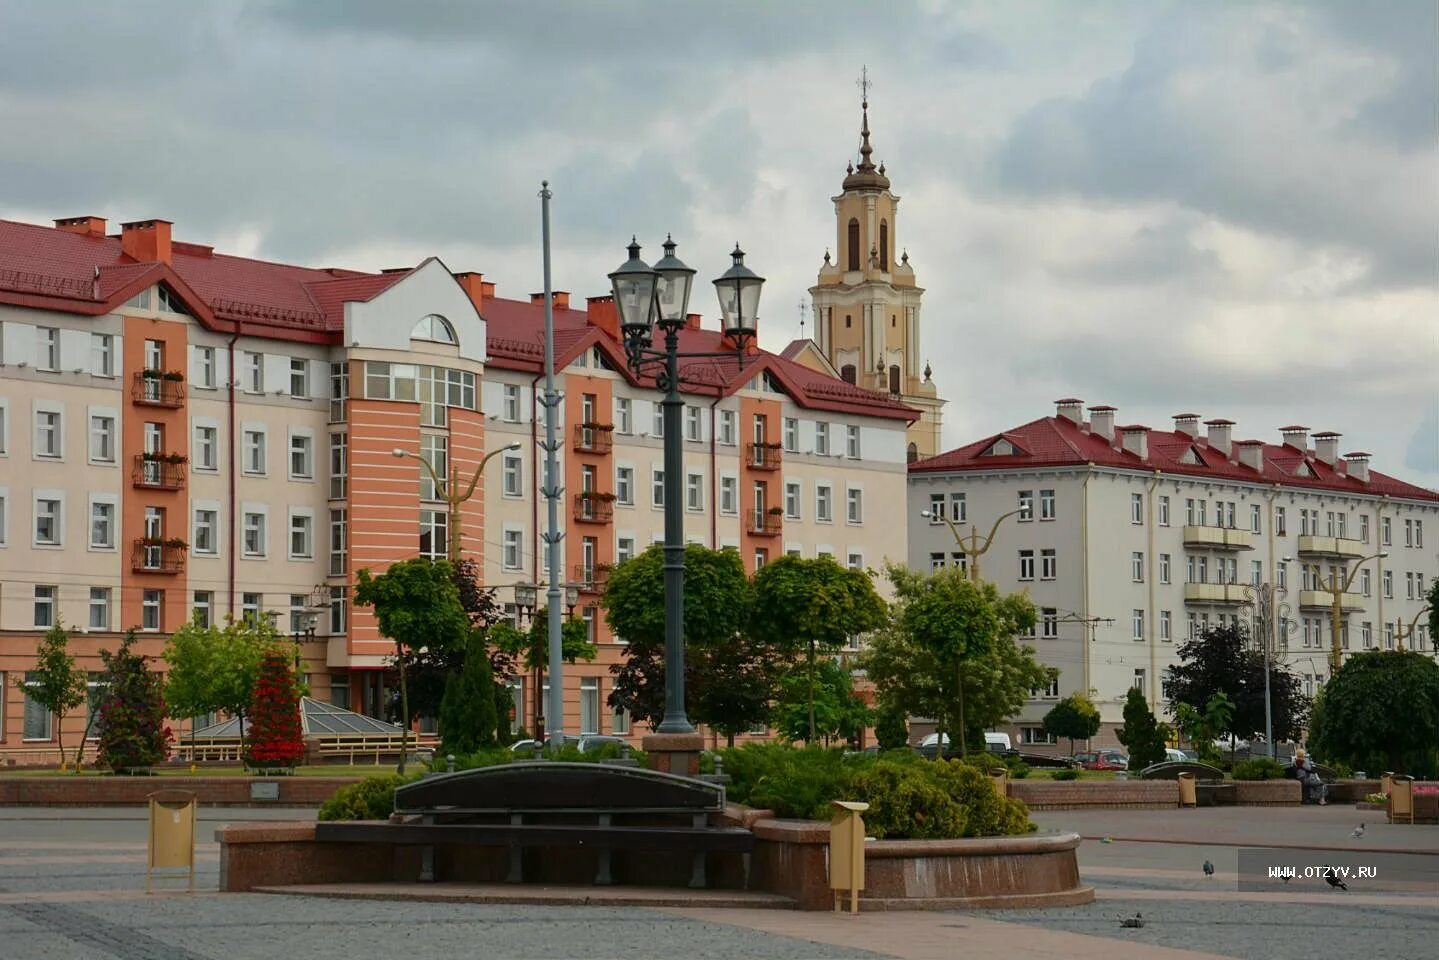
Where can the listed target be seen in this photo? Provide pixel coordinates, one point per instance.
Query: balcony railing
(1218, 538)
(1215, 593)
(594, 437)
(1341, 547)
(764, 456)
(159, 471)
(155, 389)
(591, 577)
(591, 507)
(1324, 600)
(158, 556)
(762, 523)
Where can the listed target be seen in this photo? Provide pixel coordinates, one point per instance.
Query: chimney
(487, 289)
(1070, 409)
(1358, 463)
(1101, 421)
(1218, 434)
(89, 226)
(474, 286)
(692, 321)
(1326, 446)
(147, 241)
(600, 312)
(1251, 454)
(1136, 440)
(1187, 423)
(562, 299)
(1296, 437)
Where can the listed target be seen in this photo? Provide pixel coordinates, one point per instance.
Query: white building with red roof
(184, 432)
(1130, 539)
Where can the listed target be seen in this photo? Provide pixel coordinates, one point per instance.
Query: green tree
(133, 733)
(416, 604)
(468, 710)
(950, 652)
(530, 648)
(1381, 704)
(730, 674)
(820, 705)
(1434, 611)
(214, 669)
(891, 726)
(813, 607)
(55, 682)
(1223, 660)
(1142, 734)
(1075, 717)
(1202, 728)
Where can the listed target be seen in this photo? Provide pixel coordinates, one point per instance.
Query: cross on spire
(864, 83)
(801, 319)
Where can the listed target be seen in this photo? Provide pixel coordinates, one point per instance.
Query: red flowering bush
(276, 738)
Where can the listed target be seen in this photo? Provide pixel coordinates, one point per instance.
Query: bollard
(450, 763)
(846, 851)
(719, 765)
(624, 751)
(539, 750)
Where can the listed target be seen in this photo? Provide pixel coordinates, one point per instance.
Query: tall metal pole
(1268, 628)
(675, 720)
(555, 713)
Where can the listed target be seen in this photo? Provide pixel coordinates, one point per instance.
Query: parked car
(1176, 756)
(993, 742)
(1102, 760)
(586, 744)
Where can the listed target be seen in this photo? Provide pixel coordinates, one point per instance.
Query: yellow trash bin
(1000, 778)
(846, 851)
(1386, 782)
(1188, 795)
(1401, 799)
(172, 834)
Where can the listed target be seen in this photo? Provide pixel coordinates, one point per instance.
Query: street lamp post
(647, 296)
(1401, 633)
(1336, 588)
(1265, 600)
(970, 546)
(449, 490)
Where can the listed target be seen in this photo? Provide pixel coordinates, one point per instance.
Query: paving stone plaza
(72, 887)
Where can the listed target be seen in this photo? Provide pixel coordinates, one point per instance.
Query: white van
(997, 742)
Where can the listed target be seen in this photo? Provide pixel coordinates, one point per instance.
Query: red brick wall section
(1071, 794)
(72, 791)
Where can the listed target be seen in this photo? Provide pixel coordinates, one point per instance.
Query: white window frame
(152, 600)
(823, 501)
(103, 500)
(512, 476)
(694, 427)
(206, 367)
(694, 492)
(657, 488)
(854, 504)
(47, 349)
(197, 508)
(199, 463)
(1048, 506)
(254, 372)
(793, 492)
(1026, 566)
(102, 354)
(512, 548)
(247, 511)
(852, 442)
(306, 449)
(728, 428)
(248, 430)
(729, 495)
(1136, 623)
(510, 402)
(1136, 509)
(1136, 566)
(821, 438)
(1049, 563)
(48, 496)
(57, 410)
(301, 520)
(103, 415)
(99, 600)
(1163, 511)
(303, 372)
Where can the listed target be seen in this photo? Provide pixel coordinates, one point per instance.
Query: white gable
(387, 320)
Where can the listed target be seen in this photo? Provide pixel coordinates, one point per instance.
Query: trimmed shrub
(1259, 768)
(370, 799)
(1018, 770)
(133, 732)
(1069, 774)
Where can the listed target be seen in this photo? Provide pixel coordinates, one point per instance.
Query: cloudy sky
(1230, 209)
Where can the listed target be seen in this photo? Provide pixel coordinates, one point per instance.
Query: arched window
(434, 327)
(853, 244)
(912, 454)
(884, 245)
(894, 378)
(846, 373)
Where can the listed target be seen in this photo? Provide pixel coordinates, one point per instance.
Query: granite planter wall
(97, 791)
(1075, 794)
(1266, 793)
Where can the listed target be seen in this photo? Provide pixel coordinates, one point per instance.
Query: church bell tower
(866, 303)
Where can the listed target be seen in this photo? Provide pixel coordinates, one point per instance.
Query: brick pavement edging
(74, 791)
(790, 859)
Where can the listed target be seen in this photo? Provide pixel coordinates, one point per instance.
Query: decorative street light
(646, 296)
(1271, 626)
(1336, 585)
(969, 546)
(449, 490)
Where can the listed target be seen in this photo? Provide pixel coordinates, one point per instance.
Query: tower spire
(865, 175)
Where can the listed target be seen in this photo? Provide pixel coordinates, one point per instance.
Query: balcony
(765, 523)
(1340, 548)
(591, 577)
(592, 507)
(1232, 593)
(763, 456)
(159, 471)
(154, 555)
(153, 388)
(1324, 600)
(594, 437)
(1217, 538)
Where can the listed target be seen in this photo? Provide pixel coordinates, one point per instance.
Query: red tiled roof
(515, 341)
(1058, 441)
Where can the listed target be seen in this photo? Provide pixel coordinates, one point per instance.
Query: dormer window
(434, 327)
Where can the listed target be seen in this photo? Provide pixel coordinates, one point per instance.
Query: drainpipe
(234, 465)
(714, 484)
(1152, 627)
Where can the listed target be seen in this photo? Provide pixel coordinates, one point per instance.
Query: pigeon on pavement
(1358, 832)
(1208, 869)
(1334, 880)
(1133, 923)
